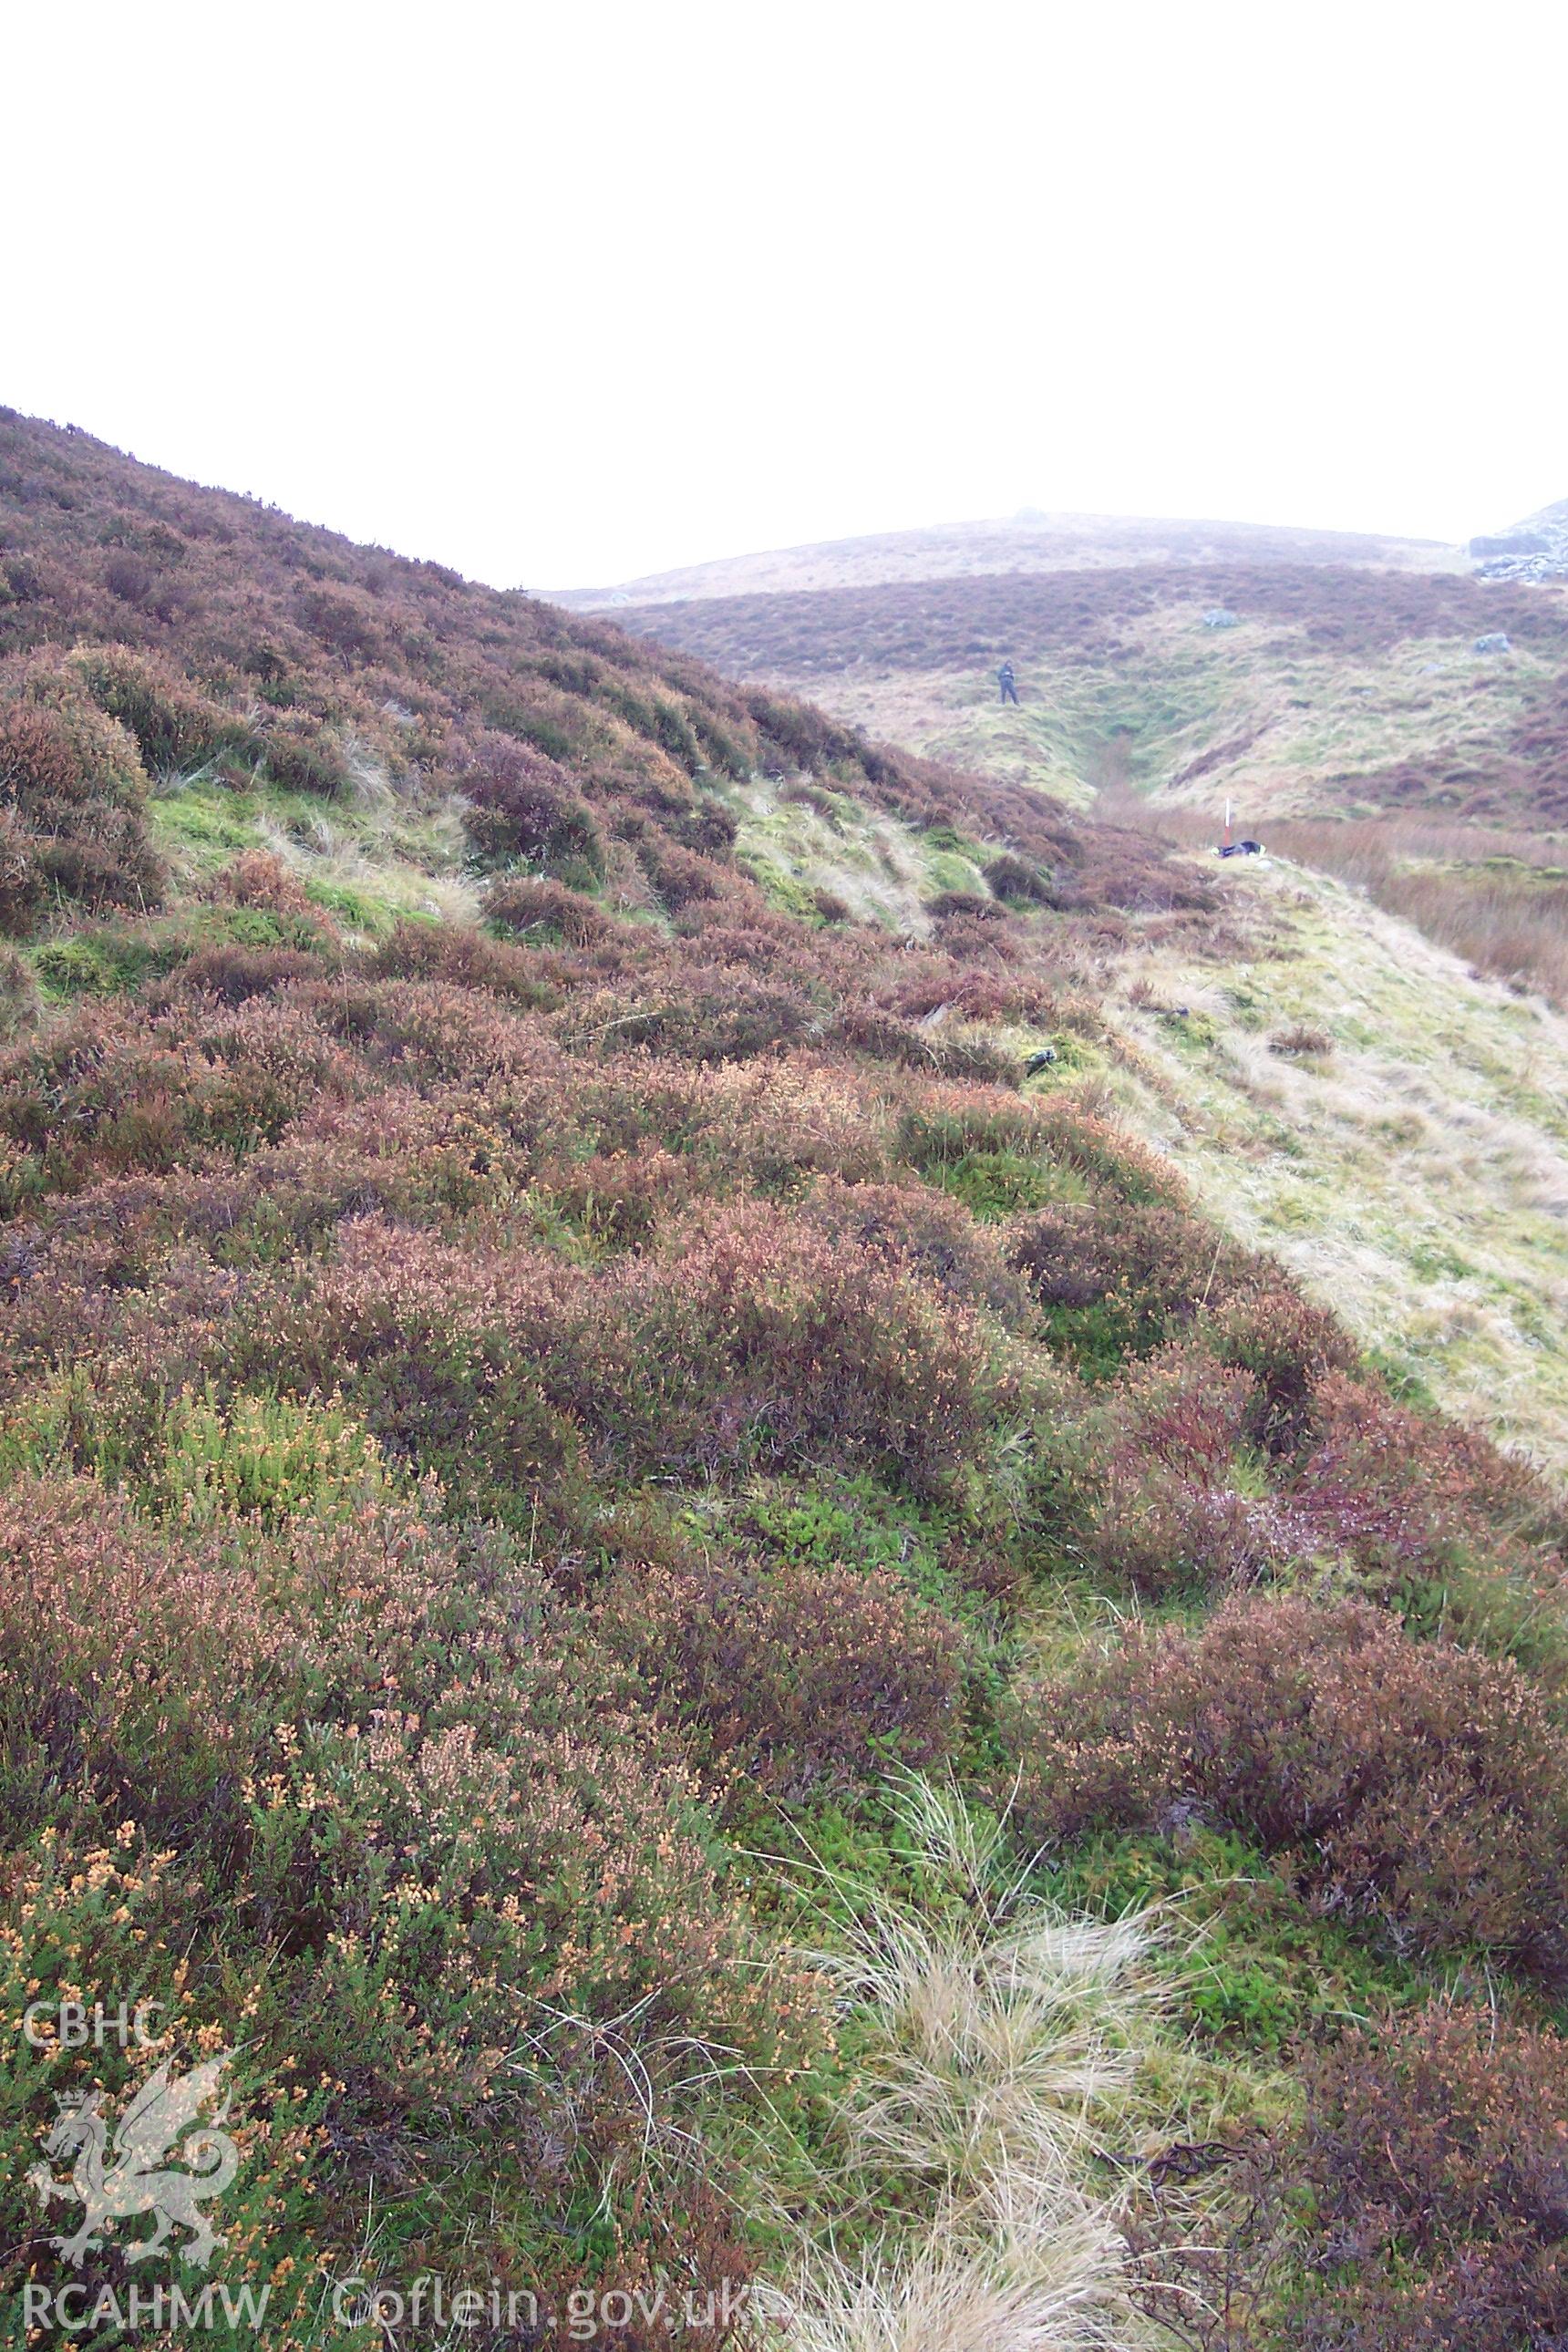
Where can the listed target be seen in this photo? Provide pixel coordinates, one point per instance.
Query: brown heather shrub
(791, 1680)
(753, 937)
(924, 1233)
(525, 1104)
(1435, 2149)
(429, 1029)
(1015, 881)
(758, 1341)
(770, 1123)
(344, 619)
(1418, 2201)
(419, 1158)
(303, 752)
(1157, 1498)
(107, 1094)
(127, 579)
(1408, 1496)
(1301, 1039)
(957, 1051)
(531, 907)
(1122, 867)
(18, 990)
(1267, 1330)
(963, 906)
(458, 1362)
(1182, 1409)
(232, 973)
(702, 1014)
(617, 1200)
(683, 878)
(1159, 1534)
(176, 726)
(74, 795)
(798, 736)
(21, 876)
(1411, 1783)
(522, 805)
(375, 1790)
(459, 956)
(1117, 1277)
(138, 1671)
(739, 1340)
(258, 879)
(921, 981)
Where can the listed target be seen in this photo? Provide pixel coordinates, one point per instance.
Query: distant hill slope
(1295, 688)
(1025, 543)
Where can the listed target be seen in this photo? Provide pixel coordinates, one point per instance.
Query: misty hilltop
(1029, 541)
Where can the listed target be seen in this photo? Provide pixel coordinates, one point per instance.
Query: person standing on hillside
(1004, 679)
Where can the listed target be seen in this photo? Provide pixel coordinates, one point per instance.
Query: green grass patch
(1257, 1967)
(994, 1184)
(115, 958)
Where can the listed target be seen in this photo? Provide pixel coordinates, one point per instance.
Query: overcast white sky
(562, 295)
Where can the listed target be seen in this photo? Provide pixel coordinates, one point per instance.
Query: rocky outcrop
(1535, 548)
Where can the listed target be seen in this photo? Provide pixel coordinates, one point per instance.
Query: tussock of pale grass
(989, 2049)
(374, 859)
(1048, 2286)
(370, 780)
(995, 2040)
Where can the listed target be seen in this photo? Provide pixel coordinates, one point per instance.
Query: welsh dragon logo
(137, 2180)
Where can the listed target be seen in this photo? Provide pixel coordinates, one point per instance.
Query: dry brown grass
(1495, 895)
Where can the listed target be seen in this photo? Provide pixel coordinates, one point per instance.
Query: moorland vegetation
(724, 1641)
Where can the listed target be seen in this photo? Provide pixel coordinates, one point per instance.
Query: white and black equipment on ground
(1229, 848)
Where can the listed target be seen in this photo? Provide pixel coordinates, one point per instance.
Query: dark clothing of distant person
(1005, 680)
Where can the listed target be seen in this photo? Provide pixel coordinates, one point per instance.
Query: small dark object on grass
(1185, 2159)
(1242, 849)
(1040, 1061)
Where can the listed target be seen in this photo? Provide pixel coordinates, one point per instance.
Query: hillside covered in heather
(650, 1560)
